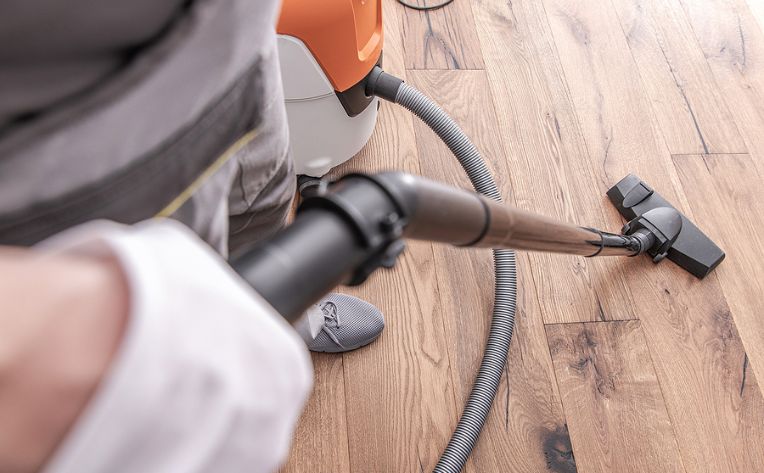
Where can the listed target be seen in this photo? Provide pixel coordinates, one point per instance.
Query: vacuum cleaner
(345, 230)
(326, 50)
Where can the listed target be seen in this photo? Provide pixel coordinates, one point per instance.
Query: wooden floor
(616, 365)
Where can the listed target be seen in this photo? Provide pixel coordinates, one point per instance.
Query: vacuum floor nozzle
(691, 249)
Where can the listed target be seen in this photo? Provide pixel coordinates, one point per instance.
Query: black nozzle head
(675, 236)
(657, 230)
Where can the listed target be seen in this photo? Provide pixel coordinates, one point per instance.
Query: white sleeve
(208, 376)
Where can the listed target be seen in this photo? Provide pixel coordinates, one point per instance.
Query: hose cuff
(382, 84)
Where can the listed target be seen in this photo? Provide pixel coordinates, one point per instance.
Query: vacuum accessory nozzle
(656, 230)
(664, 230)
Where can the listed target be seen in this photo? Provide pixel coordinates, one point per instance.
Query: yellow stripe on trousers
(189, 191)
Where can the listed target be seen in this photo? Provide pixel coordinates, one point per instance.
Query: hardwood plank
(399, 396)
(320, 442)
(733, 43)
(547, 161)
(525, 430)
(725, 191)
(440, 39)
(757, 9)
(395, 49)
(398, 400)
(612, 400)
(614, 114)
(691, 113)
(575, 120)
(690, 333)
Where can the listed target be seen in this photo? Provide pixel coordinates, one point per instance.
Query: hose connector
(381, 84)
(657, 230)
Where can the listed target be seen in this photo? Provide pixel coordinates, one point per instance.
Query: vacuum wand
(503, 226)
(356, 225)
(448, 215)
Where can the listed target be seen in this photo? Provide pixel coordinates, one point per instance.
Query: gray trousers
(146, 136)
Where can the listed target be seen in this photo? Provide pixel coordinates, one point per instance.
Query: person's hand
(197, 374)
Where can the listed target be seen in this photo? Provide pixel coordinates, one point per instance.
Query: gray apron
(180, 115)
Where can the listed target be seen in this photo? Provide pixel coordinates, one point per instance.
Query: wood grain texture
(525, 431)
(400, 402)
(574, 95)
(400, 399)
(546, 158)
(690, 333)
(757, 9)
(320, 441)
(613, 111)
(725, 191)
(439, 39)
(733, 44)
(691, 113)
(612, 399)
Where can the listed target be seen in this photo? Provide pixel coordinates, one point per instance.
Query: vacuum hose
(349, 229)
(354, 226)
(496, 351)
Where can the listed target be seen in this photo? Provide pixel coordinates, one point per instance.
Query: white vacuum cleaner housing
(326, 50)
(321, 133)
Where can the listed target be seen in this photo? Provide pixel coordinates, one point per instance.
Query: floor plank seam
(345, 411)
(440, 69)
(661, 142)
(550, 360)
(587, 322)
(741, 153)
(710, 71)
(445, 338)
(569, 101)
(663, 398)
(560, 397)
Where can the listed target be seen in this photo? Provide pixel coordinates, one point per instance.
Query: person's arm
(137, 348)
(61, 321)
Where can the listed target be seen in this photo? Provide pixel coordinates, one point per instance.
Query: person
(141, 143)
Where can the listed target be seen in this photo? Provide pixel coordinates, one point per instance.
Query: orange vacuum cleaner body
(326, 49)
(344, 36)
